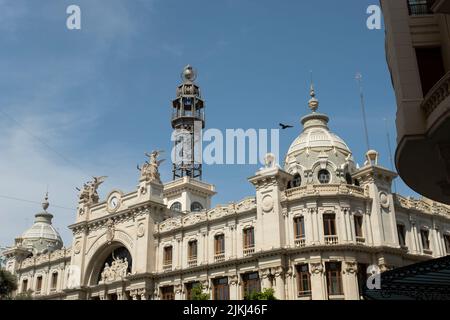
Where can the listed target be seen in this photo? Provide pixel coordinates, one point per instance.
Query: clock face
(113, 203)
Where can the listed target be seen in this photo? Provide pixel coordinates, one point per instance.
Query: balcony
(219, 257)
(331, 240)
(432, 140)
(248, 251)
(192, 262)
(420, 7)
(304, 294)
(167, 266)
(360, 240)
(300, 242)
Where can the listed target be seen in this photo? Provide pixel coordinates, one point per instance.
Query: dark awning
(428, 280)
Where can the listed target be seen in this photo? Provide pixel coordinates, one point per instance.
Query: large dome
(42, 237)
(318, 155)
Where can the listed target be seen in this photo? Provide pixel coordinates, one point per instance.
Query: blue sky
(91, 102)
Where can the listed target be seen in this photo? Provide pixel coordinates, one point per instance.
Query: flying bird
(285, 126)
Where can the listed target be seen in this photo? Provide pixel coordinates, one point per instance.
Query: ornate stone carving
(316, 267)
(89, 194)
(269, 161)
(110, 231)
(117, 271)
(140, 230)
(351, 267)
(233, 280)
(267, 203)
(150, 169)
(77, 247)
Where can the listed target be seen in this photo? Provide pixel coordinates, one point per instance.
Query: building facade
(310, 231)
(418, 56)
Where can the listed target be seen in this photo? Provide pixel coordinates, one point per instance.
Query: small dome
(317, 149)
(42, 237)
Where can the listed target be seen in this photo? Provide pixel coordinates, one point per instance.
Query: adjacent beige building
(310, 230)
(418, 55)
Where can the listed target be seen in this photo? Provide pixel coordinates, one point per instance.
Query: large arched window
(196, 207)
(176, 206)
(324, 176)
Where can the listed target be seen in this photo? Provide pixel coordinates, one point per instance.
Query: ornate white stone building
(309, 232)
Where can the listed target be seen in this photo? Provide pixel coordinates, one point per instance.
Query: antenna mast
(358, 78)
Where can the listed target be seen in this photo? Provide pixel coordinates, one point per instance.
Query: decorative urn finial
(313, 102)
(45, 203)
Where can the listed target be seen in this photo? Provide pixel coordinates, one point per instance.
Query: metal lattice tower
(188, 119)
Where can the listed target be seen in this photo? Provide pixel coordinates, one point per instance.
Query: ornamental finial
(188, 74)
(313, 102)
(45, 203)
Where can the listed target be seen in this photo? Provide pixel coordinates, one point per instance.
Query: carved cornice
(245, 206)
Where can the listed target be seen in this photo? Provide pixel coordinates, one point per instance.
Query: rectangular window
(219, 244)
(251, 283)
(192, 250)
(249, 238)
(221, 289)
(431, 67)
(39, 284)
(167, 293)
(401, 235)
(358, 226)
(420, 7)
(189, 286)
(424, 235)
(299, 227)
(54, 280)
(334, 278)
(329, 225)
(24, 285)
(447, 243)
(304, 280)
(167, 261)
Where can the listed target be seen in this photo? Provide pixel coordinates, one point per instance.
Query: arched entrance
(113, 262)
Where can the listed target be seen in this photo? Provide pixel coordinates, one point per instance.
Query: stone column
(233, 283)
(350, 283)
(265, 276)
(318, 288)
(345, 233)
(178, 288)
(290, 284)
(206, 288)
(280, 290)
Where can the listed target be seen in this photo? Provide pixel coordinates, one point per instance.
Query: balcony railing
(436, 95)
(167, 266)
(360, 240)
(192, 262)
(300, 242)
(219, 257)
(248, 251)
(331, 240)
(420, 7)
(303, 294)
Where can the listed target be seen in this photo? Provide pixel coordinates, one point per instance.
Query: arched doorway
(113, 262)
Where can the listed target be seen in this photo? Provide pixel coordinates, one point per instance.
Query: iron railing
(420, 7)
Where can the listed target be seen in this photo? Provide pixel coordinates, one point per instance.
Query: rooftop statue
(89, 193)
(150, 169)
